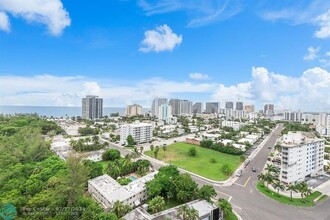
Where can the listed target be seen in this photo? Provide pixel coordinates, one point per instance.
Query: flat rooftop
(113, 191)
(300, 137)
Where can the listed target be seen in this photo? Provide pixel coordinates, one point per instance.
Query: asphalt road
(247, 201)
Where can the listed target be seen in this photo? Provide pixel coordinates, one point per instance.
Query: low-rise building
(302, 156)
(106, 191)
(141, 132)
(206, 211)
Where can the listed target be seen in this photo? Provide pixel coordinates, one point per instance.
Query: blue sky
(131, 51)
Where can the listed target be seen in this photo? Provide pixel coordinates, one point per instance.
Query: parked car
(254, 169)
(239, 173)
(269, 147)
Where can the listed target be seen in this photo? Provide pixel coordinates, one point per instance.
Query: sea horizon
(56, 111)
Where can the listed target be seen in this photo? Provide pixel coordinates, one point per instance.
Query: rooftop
(296, 138)
(113, 191)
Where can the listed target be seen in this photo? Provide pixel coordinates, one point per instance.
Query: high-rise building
(175, 104)
(197, 108)
(302, 155)
(269, 109)
(185, 107)
(164, 112)
(132, 110)
(239, 106)
(249, 108)
(181, 107)
(141, 132)
(212, 107)
(92, 107)
(156, 103)
(293, 116)
(229, 105)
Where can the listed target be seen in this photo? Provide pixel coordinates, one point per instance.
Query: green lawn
(321, 198)
(308, 201)
(200, 164)
(231, 216)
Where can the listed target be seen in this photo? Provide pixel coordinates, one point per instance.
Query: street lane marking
(246, 182)
(230, 197)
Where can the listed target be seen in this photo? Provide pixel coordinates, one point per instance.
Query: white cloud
(327, 53)
(307, 92)
(4, 22)
(160, 39)
(312, 53)
(48, 12)
(45, 90)
(323, 21)
(199, 12)
(199, 76)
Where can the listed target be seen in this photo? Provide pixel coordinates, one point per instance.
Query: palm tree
(141, 149)
(262, 178)
(96, 139)
(157, 204)
(193, 214)
(291, 188)
(118, 208)
(272, 169)
(152, 147)
(164, 149)
(225, 206)
(304, 189)
(87, 139)
(183, 212)
(268, 179)
(72, 142)
(278, 186)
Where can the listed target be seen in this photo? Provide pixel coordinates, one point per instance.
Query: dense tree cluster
(292, 126)
(228, 149)
(168, 183)
(38, 183)
(88, 131)
(124, 166)
(88, 144)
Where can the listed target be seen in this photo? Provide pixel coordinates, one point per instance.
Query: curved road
(247, 201)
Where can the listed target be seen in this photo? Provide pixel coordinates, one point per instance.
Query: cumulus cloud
(312, 53)
(323, 21)
(199, 76)
(307, 92)
(48, 12)
(45, 90)
(4, 22)
(160, 39)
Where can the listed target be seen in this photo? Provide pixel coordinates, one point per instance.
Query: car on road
(254, 169)
(269, 147)
(239, 173)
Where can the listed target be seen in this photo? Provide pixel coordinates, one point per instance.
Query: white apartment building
(141, 132)
(302, 155)
(106, 191)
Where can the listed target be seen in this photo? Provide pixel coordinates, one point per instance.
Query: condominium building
(92, 107)
(106, 191)
(239, 106)
(132, 110)
(175, 104)
(156, 103)
(269, 109)
(181, 107)
(229, 105)
(212, 107)
(197, 108)
(310, 118)
(302, 156)
(249, 108)
(164, 112)
(141, 132)
(292, 116)
(185, 107)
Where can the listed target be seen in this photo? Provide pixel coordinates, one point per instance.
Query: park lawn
(177, 154)
(308, 201)
(231, 216)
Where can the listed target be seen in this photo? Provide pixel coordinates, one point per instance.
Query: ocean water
(56, 111)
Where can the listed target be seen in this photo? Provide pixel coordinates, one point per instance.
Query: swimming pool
(132, 178)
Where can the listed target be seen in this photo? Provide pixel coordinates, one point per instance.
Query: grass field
(200, 164)
(308, 201)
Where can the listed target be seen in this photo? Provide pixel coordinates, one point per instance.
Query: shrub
(192, 151)
(213, 160)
